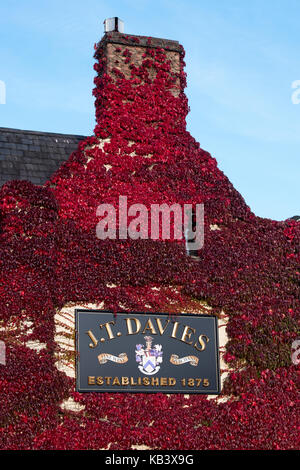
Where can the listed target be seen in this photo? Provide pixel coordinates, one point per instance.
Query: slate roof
(33, 156)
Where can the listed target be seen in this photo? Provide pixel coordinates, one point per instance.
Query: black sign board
(146, 352)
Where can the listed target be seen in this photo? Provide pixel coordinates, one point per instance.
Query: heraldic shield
(149, 358)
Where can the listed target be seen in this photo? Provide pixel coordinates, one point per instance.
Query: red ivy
(49, 255)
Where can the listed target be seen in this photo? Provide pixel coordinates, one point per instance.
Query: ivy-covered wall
(50, 256)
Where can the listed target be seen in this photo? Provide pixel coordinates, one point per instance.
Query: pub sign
(146, 352)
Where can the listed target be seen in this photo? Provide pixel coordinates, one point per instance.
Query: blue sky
(242, 57)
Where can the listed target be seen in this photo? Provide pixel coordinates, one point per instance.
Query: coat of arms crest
(149, 358)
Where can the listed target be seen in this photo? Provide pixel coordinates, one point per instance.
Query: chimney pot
(113, 24)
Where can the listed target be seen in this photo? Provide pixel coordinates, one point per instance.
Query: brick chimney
(140, 82)
(121, 53)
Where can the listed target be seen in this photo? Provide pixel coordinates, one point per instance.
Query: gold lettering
(95, 341)
(201, 342)
(91, 380)
(125, 381)
(172, 381)
(163, 381)
(99, 380)
(154, 381)
(116, 381)
(108, 379)
(108, 328)
(132, 382)
(191, 382)
(129, 326)
(175, 328)
(161, 329)
(146, 381)
(187, 334)
(149, 326)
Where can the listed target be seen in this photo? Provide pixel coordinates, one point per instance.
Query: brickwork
(122, 51)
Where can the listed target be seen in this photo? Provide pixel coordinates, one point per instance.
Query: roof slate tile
(32, 155)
